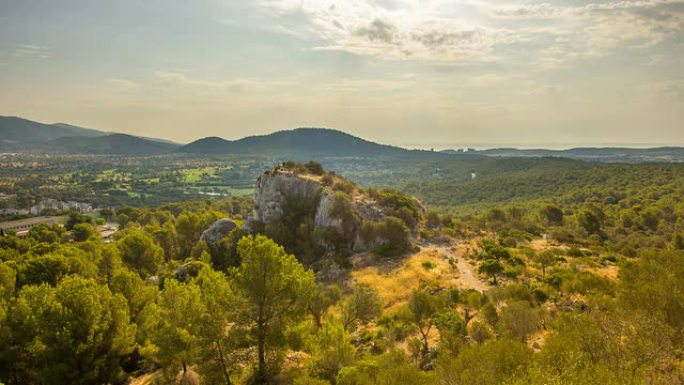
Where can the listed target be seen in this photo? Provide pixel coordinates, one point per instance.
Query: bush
(314, 168)
(508, 242)
(394, 237)
(574, 252)
(344, 185)
(427, 265)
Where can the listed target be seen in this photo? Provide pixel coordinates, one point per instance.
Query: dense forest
(601, 303)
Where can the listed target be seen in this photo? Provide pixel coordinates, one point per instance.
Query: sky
(414, 73)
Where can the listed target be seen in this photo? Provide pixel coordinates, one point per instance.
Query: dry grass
(191, 378)
(394, 282)
(611, 272)
(146, 379)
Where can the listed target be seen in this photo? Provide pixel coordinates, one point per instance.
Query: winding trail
(468, 277)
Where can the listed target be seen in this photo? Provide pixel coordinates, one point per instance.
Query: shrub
(314, 168)
(344, 185)
(427, 265)
(394, 236)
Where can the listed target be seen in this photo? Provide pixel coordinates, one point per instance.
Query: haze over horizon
(420, 74)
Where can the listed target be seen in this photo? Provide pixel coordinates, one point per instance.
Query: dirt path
(468, 277)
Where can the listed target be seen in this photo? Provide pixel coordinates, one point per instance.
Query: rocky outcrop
(218, 231)
(274, 188)
(324, 217)
(333, 212)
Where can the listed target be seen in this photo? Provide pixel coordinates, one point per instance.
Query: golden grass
(395, 283)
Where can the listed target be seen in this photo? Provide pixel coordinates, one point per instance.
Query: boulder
(218, 231)
(152, 281)
(187, 271)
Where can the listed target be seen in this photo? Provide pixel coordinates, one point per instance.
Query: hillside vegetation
(582, 288)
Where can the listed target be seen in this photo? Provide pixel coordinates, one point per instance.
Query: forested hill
(22, 135)
(17, 133)
(305, 143)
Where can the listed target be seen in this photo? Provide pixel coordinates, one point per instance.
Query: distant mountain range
(599, 154)
(22, 135)
(17, 134)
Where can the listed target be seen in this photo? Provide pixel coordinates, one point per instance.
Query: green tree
(394, 236)
(46, 233)
(552, 215)
(391, 368)
(361, 307)
(76, 218)
(93, 333)
(277, 288)
(220, 330)
(518, 320)
(322, 298)
(421, 309)
(332, 350)
(188, 232)
(480, 331)
(175, 339)
(84, 231)
(678, 241)
(138, 295)
(490, 363)
(8, 280)
(472, 300)
(492, 268)
(590, 222)
(167, 238)
(139, 251)
(545, 259)
(109, 261)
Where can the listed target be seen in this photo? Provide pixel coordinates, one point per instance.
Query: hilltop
(315, 213)
(304, 143)
(17, 133)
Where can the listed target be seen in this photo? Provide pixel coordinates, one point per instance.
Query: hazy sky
(417, 73)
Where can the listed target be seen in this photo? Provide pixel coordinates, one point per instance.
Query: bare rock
(273, 189)
(218, 231)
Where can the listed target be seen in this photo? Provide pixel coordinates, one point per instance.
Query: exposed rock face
(218, 231)
(273, 189)
(324, 210)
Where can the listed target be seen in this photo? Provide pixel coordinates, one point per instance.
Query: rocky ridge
(339, 205)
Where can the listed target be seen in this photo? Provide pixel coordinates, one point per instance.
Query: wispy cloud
(450, 30)
(30, 51)
(180, 78)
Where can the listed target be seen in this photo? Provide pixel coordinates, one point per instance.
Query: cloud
(545, 90)
(124, 84)
(30, 51)
(379, 31)
(461, 31)
(530, 11)
(238, 84)
(671, 90)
